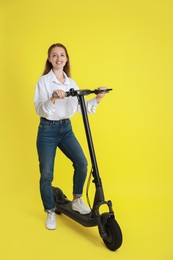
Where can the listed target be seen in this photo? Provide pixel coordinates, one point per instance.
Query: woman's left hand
(101, 95)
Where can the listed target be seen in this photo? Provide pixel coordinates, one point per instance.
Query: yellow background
(125, 45)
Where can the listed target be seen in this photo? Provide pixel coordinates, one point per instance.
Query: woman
(55, 129)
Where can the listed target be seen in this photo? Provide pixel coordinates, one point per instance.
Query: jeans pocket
(68, 122)
(45, 125)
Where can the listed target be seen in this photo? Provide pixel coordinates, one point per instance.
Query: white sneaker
(51, 220)
(78, 205)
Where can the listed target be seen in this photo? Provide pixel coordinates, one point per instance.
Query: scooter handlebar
(82, 92)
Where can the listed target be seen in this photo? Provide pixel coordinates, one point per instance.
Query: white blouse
(63, 108)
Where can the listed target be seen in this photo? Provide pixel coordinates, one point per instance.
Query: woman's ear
(48, 59)
(66, 60)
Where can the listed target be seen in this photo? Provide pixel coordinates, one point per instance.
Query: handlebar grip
(55, 95)
(98, 91)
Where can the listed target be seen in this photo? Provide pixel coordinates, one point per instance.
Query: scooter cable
(87, 189)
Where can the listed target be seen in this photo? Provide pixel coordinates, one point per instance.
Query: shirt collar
(54, 79)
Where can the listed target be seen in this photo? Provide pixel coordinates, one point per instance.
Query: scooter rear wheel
(113, 240)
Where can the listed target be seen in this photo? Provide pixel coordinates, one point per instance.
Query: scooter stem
(99, 195)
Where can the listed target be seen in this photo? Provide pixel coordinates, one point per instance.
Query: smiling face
(58, 58)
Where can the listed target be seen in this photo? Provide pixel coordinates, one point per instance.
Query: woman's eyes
(62, 55)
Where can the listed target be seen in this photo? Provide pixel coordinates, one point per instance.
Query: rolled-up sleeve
(43, 106)
(91, 106)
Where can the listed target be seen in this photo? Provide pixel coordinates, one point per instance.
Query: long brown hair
(48, 65)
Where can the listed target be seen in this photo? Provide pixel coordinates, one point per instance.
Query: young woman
(55, 129)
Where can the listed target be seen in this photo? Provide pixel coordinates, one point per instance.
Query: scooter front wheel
(113, 240)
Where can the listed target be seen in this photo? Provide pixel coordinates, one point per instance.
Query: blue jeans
(53, 134)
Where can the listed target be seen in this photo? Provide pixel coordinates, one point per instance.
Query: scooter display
(108, 227)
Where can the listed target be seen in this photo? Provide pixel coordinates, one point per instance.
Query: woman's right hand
(60, 94)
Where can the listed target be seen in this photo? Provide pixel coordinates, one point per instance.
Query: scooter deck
(84, 220)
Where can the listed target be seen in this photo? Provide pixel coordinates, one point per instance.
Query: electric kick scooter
(108, 227)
